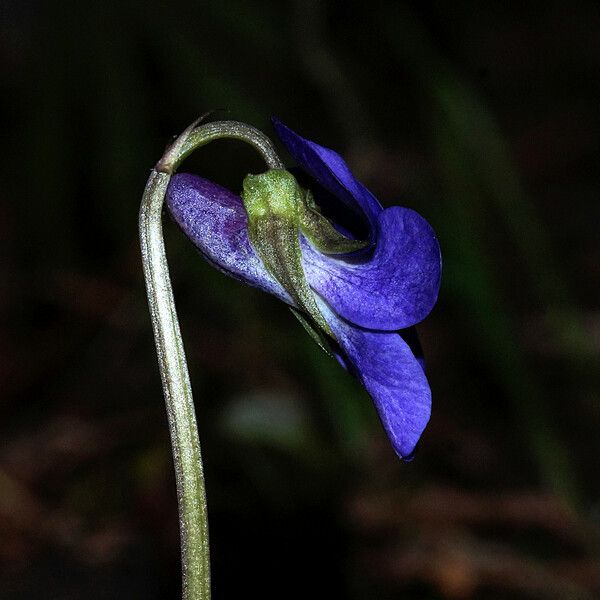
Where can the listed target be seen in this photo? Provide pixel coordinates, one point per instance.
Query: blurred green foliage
(482, 118)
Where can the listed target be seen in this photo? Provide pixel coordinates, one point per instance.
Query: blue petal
(396, 287)
(330, 170)
(392, 375)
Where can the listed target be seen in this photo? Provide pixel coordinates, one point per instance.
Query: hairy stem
(191, 494)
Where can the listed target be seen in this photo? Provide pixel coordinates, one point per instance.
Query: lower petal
(392, 375)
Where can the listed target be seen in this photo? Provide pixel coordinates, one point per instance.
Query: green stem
(191, 494)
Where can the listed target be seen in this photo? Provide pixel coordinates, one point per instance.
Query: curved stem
(191, 494)
(185, 444)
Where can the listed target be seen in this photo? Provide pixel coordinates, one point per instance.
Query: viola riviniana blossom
(359, 299)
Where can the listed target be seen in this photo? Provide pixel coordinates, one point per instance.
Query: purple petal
(392, 375)
(215, 220)
(331, 171)
(396, 288)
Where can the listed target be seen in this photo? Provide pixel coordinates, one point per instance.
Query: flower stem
(189, 474)
(191, 494)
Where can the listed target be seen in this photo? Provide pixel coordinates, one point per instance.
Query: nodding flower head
(358, 276)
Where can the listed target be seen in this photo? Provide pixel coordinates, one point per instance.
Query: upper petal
(215, 220)
(396, 287)
(392, 375)
(330, 170)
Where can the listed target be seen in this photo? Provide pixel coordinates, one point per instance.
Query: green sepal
(321, 233)
(273, 202)
(316, 334)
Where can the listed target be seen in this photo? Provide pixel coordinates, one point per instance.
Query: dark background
(483, 119)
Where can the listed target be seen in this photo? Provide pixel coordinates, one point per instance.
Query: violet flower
(362, 297)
